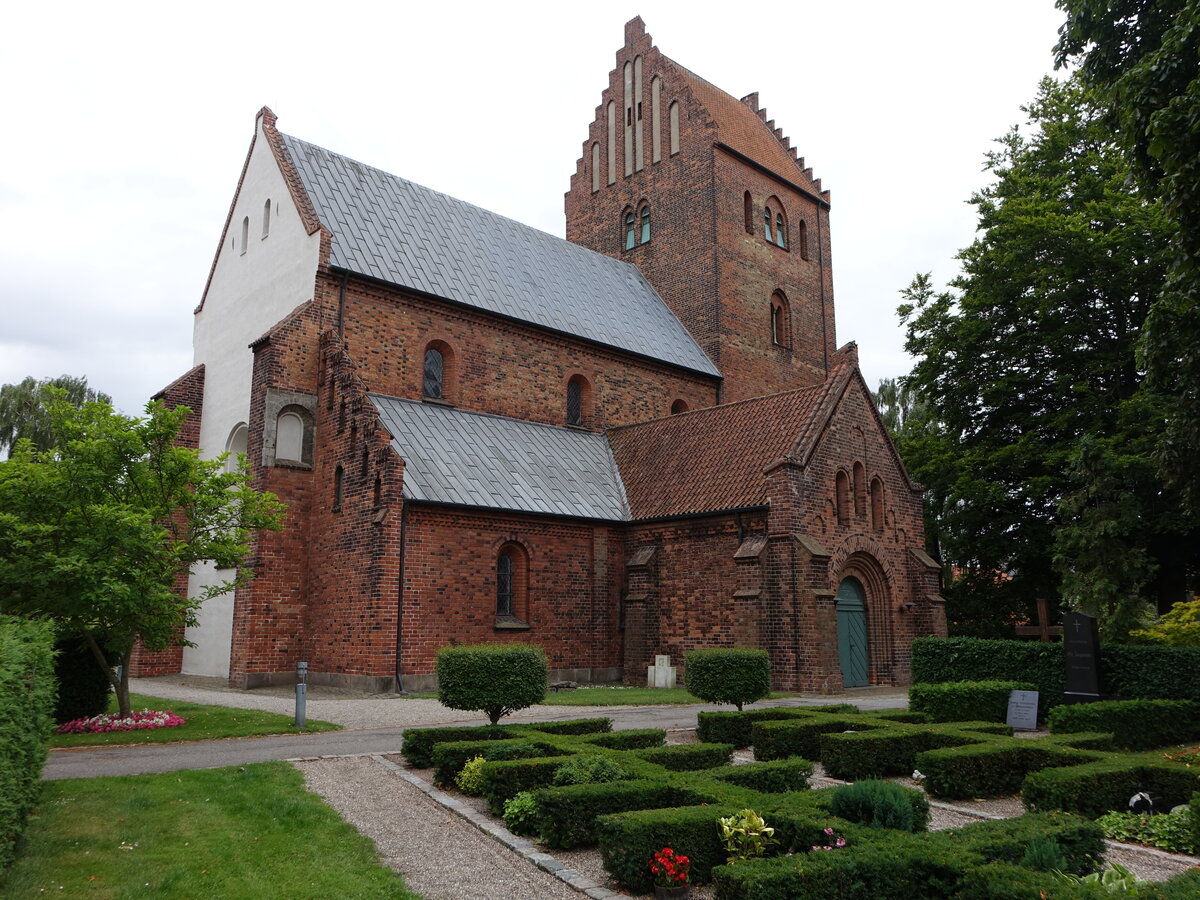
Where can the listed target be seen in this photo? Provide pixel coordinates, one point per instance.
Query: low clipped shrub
(504, 780)
(734, 727)
(989, 769)
(1135, 724)
(83, 687)
(26, 704)
(799, 736)
(633, 739)
(688, 757)
(496, 679)
(520, 814)
(450, 757)
(853, 755)
(419, 742)
(567, 815)
(1194, 807)
(600, 725)
(728, 675)
(470, 779)
(964, 701)
(627, 839)
(589, 768)
(1105, 785)
(881, 804)
(1007, 840)
(938, 660)
(1185, 886)
(775, 777)
(1000, 881)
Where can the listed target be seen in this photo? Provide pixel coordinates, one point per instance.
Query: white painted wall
(252, 288)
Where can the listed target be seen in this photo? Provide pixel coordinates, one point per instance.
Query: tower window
(338, 479)
(434, 374)
(780, 320)
(673, 114)
(803, 239)
(266, 218)
(579, 400)
(748, 211)
(245, 234)
(645, 236)
(775, 225)
(780, 231)
(630, 232)
(767, 233)
(679, 406)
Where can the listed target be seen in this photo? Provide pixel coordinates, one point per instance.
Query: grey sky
(127, 124)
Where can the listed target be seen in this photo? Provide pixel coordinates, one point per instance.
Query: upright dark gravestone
(1081, 647)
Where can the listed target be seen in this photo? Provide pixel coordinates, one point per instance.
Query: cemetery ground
(170, 835)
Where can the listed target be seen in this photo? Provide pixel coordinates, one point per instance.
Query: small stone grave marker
(661, 674)
(1023, 710)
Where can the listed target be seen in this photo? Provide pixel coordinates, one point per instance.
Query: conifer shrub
(728, 675)
(589, 768)
(26, 705)
(881, 804)
(496, 679)
(1042, 854)
(965, 701)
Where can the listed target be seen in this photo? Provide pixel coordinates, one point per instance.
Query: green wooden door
(852, 633)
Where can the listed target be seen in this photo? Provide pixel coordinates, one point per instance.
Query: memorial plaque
(1023, 710)
(1081, 647)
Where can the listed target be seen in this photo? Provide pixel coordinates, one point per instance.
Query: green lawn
(249, 832)
(203, 723)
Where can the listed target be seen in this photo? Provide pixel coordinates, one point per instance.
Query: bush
(1135, 724)
(988, 770)
(881, 752)
(496, 679)
(1171, 831)
(688, 757)
(735, 727)
(505, 779)
(26, 703)
(627, 840)
(1194, 808)
(1185, 886)
(633, 739)
(576, 726)
(520, 814)
(470, 779)
(567, 815)
(881, 804)
(1105, 785)
(727, 675)
(419, 742)
(83, 688)
(962, 701)
(1043, 855)
(1137, 672)
(776, 777)
(798, 736)
(589, 768)
(449, 757)
(1007, 840)
(1000, 881)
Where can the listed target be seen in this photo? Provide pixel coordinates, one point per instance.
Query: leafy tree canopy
(1028, 367)
(23, 411)
(1143, 58)
(95, 530)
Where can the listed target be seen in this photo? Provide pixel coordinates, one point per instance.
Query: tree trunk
(120, 685)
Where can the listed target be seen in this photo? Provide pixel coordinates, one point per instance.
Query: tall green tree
(95, 530)
(1029, 363)
(1143, 58)
(23, 412)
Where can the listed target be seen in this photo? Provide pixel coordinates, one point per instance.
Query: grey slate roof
(474, 459)
(393, 230)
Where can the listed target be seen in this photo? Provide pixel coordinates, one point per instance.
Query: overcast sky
(126, 126)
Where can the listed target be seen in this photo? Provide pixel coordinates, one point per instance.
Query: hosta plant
(745, 835)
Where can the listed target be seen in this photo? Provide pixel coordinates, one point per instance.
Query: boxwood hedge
(963, 701)
(1134, 724)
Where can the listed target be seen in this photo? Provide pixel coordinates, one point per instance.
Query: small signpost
(1081, 647)
(1023, 710)
(661, 674)
(301, 693)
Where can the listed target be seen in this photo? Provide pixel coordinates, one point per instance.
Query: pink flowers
(836, 841)
(138, 721)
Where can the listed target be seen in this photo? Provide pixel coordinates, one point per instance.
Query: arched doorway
(852, 633)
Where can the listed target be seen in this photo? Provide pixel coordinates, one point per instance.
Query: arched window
(842, 485)
(775, 224)
(748, 211)
(595, 167)
(645, 235)
(679, 406)
(781, 326)
(768, 234)
(266, 218)
(802, 238)
(245, 234)
(877, 504)
(512, 585)
(289, 437)
(630, 231)
(579, 400)
(673, 114)
(434, 383)
(235, 446)
(780, 231)
(860, 490)
(338, 478)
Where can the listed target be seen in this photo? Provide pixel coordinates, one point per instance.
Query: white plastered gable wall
(253, 286)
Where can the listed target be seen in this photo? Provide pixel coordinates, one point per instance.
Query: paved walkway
(374, 725)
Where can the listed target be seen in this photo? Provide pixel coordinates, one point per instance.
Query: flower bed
(138, 721)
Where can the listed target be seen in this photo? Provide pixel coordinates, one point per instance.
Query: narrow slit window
(748, 210)
(266, 218)
(630, 232)
(434, 381)
(338, 478)
(770, 238)
(245, 234)
(645, 237)
(574, 403)
(780, 231)
(504, 585)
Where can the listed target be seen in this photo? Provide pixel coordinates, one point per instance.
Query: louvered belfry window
(433, 374)
(504, 585)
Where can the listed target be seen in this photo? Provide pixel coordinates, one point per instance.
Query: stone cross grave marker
(661, 674)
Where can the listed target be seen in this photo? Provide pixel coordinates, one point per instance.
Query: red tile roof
(740, 127)
(712, 459)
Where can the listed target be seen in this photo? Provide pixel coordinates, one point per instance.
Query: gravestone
(1023, 710)
(661, 674)
(1081, 647)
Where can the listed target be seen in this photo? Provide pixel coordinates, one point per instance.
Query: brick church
(637, 441)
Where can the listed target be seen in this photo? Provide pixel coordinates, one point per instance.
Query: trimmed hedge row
(449, 757)
(1106, 784)
(1134, 724)
(990, 769)
(688, 757)
(419, 742)
(26, 706)
(633, 739)
(567, 815)
(1127, 671)
(776, 777)
(966, 701)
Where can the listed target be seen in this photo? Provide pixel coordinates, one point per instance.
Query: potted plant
(670, 871)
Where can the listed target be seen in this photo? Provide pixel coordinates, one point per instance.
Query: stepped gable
(711, 459)
(743, 127)
(395, 231)
(474, 459)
